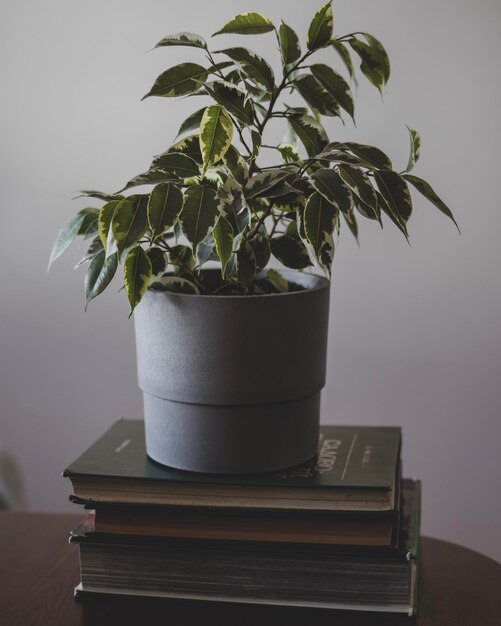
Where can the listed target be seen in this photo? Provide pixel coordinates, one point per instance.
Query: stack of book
(338, 532)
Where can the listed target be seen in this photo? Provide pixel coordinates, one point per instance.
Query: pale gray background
(415, 331)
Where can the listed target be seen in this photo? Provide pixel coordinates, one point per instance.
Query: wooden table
(39, 569)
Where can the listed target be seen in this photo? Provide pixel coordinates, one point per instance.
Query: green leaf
(178, 81)
(370, 154)
(99, 274)
(290, 252)
(180, 256)
(289, 44)
(67, 234)
(251, 23)
(321, 28)
(175, 284)
(183, 39)
(176, 165)
(330, 184)
(89, 226)
(164, 206)
(375, 64)
(361, 187)
(104, 220)
(277, 280)
(394, 190)
(234, 100)
(246, 264)
(129, 221)
(216, 132)
(256, 144)
(427, 191)
(223, 238)
(157, 260)
(254, 66)
(320, 220)
(259, 183)
(335, 85)
(192, 122)
(415, 147)
(137, 275)
(199, 213)
(314, 94)
(392, 214)
(205, 249)
(341, 49)
(190, 146)
(311, 134)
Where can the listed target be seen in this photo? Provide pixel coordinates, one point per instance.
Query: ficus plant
(212, 199)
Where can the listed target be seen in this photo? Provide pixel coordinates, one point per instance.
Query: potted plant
(232, 352)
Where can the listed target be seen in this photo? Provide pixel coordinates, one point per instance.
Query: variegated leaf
(256, 68)
(164, 206)
(261, 246)
(321, 28)
(223, 238)
(316, 96)
(335, 85)
(332, 187)
(236, 165)
(234, 100)
(129, 221)
(277, 280)
(373, 156)
(375, 64)
(95, 247)
(67, 234)
(178, 81)
(290, 252)
(343, 52)
(289, 153)
(151, 177)
(199, 214)
(259, 183)
(104, 220)
(428, 192)
(100, 195)
(191, 123)
(99, 275)
(415, 147)
(310, 132)
(289, 44)
(175, 284)
(351, 222)
(183, 39)
(394, 190)
(360, 185)
(320, 220)
(137, 275)
(176, 165)
(246, 264)
(216, 132)
(158, 260)
(251, 23)
(190, 146)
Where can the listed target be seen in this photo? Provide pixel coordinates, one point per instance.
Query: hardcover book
(338, 577)
(356, 469)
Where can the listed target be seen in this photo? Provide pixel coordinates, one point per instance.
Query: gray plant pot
(231, 384)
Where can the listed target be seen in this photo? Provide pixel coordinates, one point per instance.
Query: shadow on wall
(12, 492)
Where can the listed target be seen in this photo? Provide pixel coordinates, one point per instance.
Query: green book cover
(349, 456)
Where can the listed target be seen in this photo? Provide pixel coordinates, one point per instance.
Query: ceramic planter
(231, 384)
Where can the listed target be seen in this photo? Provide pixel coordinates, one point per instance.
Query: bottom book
(337, 577)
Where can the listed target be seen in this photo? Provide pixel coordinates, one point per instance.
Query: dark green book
(356, 469)
(338, 577)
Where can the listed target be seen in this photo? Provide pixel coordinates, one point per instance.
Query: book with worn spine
(337, 577)
(356, 469)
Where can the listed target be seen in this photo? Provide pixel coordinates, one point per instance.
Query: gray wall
(415, 332)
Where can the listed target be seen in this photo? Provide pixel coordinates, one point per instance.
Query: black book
(338, 577)
(356, 469)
